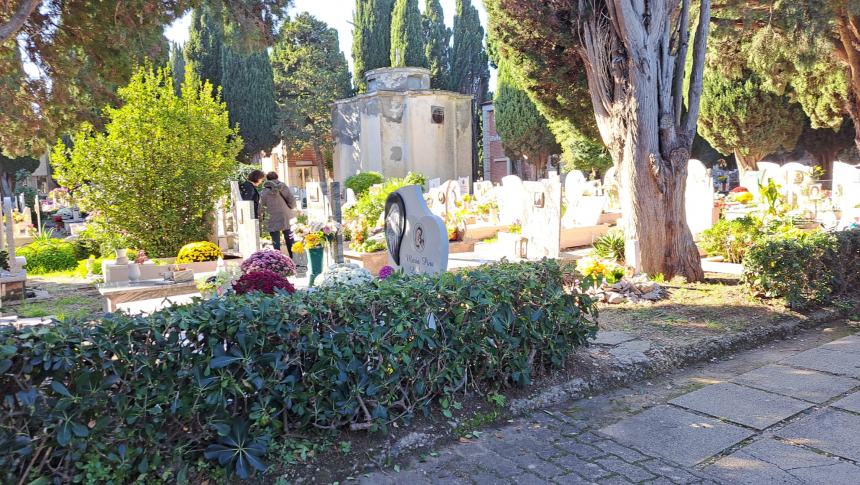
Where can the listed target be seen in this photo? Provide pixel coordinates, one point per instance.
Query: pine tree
(470, 70)
(371, 37)
(205, 40)
(437, 40)
(249, 91)
(407, 45)
(523, 129)
(177, 67)
(310, 73)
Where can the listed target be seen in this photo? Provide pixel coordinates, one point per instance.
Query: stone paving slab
(834, 362)
(803, 384)
(679, 435)
(742, 405)
(850, 343)
(829, 430)
(612, 338)
(850, 402)
(768, 461)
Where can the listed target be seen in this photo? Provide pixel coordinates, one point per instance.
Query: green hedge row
(142, 397)
(805, 269)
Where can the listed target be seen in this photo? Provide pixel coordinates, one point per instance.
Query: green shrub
(370, 206)
(163, 388)
(731, 239)
(49, 255)
(84, 267)
(4, 260)
(197, 252)
(610, 246)
(804, 269)
(361, 183)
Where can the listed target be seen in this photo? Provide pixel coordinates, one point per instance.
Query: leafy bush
(274, 261)
(731, 239)
(806, 268)
(610, 246)
(369, 246)
(231, 374)
(370, 206)
(49, 255)
(198, 252)
(361, 183)
(160, 165)
(4, 260)
(264, 281)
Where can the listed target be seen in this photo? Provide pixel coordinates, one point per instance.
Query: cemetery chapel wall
(401, 126)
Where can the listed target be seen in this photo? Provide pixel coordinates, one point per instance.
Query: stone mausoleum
(401, 125)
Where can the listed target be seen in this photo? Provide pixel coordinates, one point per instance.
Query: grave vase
(134, 272)
(315, 257)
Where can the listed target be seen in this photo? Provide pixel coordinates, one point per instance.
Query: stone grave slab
(680, 436)
(803, 384)
(832, 361)
(772, 462)
(850, 402)
(742, 405)
(830, 430)
(850, 343)
(611, 338)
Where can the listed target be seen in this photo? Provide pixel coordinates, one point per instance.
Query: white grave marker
(542, 221)
(699, 197)
(512, 200)
(417, 239)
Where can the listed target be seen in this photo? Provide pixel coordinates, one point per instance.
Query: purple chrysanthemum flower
(385, 272)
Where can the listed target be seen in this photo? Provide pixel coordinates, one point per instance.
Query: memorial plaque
(417, 239)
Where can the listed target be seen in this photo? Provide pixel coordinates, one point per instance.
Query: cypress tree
(470, 70)
(249, 91)
(407, 45)
(371, 37)
(205, 40)
(177, 67)
(437, 40)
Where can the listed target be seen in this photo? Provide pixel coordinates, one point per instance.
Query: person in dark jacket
(278, 202)
(248, 190)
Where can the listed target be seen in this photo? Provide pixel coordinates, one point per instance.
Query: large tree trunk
(635, 56)
(747, 162)
(848, 27)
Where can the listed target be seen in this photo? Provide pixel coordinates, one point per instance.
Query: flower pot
(315, 257)
(134, 272)
(121, 257)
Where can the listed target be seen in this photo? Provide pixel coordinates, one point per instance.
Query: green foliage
(731, 239)
(361, 183)
(437, 42)
(205, 41)
(523, 129)
(370, 206)
(177, 67)
(310, 73)
(48, 255)
(198, 252)
(579, 151)
(248, 90)
(470, 69)
(740, 116)
(610, 246)
(804, 268)
(4, 260)
(371, 37)
(407, 44)
(232, 375)
(155, 174)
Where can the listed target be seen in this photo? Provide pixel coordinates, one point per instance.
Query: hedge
(49, 255)
(143, 397)
(804, 269)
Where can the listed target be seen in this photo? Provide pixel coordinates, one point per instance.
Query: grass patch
(62, 308)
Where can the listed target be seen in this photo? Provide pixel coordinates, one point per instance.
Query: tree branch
(694, 95)
(10, 28)
(681, 60)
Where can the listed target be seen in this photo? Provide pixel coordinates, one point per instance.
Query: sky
(336, 13)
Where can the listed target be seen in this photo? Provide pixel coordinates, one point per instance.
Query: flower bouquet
(348, 274)
(271, 260)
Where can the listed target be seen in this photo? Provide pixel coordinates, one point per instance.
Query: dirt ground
(68, 297)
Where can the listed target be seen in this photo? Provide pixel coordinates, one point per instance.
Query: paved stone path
(787, 414)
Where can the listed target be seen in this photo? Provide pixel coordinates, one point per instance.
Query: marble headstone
(542, 222)
(846, 185)
(512, 200)
(699, 197)
(465, 183)
(482, 190)
(611, 188)
(750, 181)
(434, 183)
(417, 239)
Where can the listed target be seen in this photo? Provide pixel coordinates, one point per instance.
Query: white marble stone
(512, 201)
(542, 222)
(424, 245)
(699, 198)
